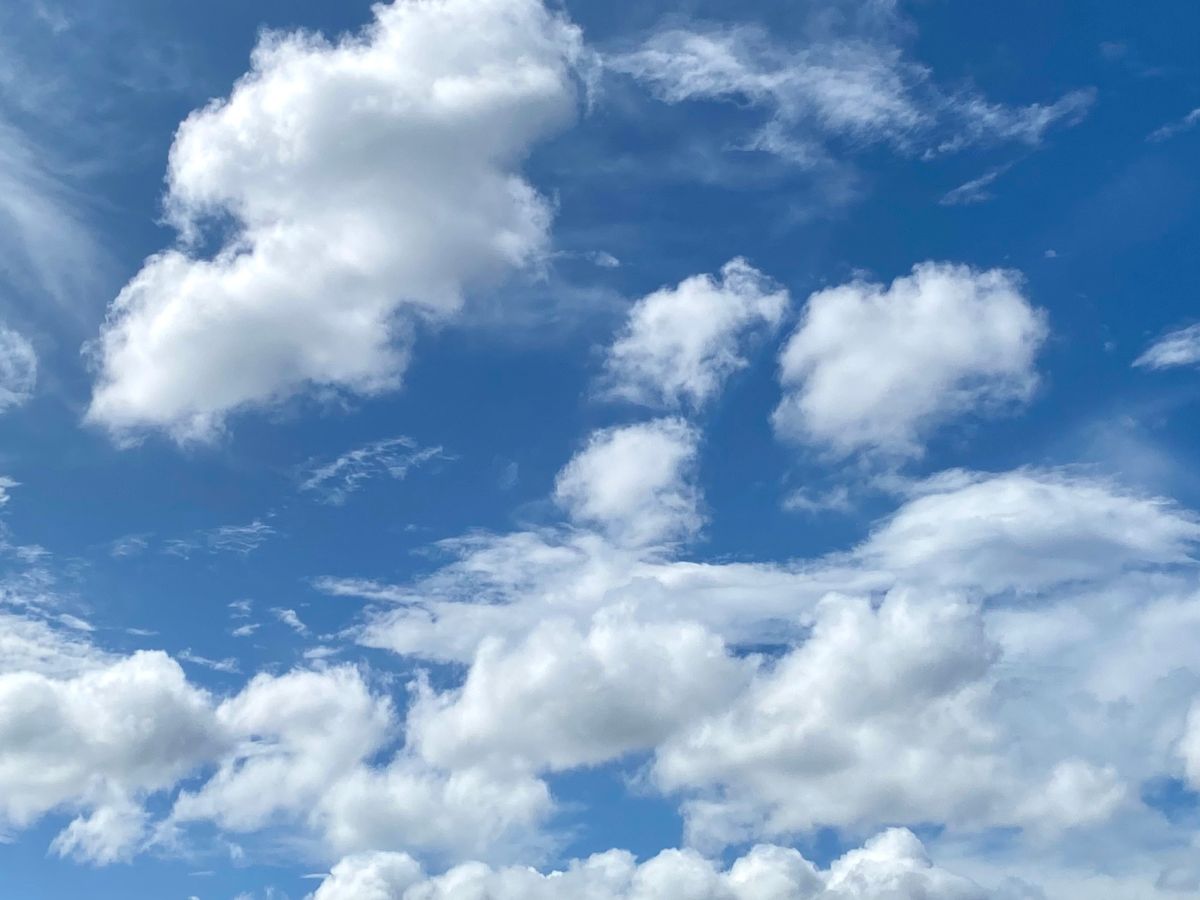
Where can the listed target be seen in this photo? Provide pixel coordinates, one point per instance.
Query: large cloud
(365, 186)
(681, 343)
(875, 368)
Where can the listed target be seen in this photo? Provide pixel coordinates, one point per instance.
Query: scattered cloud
(1177, 348)
(395, 457)
(289, 618)
(874, 368)
(977, 190)
(18, 369)
(852, 91)
(681, 343)
(1171, 129)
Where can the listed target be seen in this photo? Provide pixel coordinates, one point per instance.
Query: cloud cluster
(892, 864)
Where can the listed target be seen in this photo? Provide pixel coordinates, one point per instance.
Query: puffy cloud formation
(1177, 348)
(1027, 531)
(893, 864)
(874, 369)
(367, 184)
(642, 682)
(18, 369)
(680, 344)
(97, 740)
(857, 90)
(881, 715)
(634, 482)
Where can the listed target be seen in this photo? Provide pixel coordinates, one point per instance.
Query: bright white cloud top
(365, 185)
(874, 368)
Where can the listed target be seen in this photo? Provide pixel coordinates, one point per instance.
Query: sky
(522, 449)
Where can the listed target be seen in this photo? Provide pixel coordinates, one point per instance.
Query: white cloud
(977, 190)
(680, 344)
(18, 369)
(96, 739)
(635, 483)
(1026, 531)
(1178, 348)
(395, 457)
(109, 833)
(874, 368)
(852, 89)
(882, 715)
(1168, 131)
(641, 681)
(893, 864)
(370, 182)
(291, 619)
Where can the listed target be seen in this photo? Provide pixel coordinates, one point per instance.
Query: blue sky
(702, 450)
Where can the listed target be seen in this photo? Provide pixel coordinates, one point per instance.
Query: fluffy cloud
(635, 483)
(874, 368)
(368, 183)
(1178, 348)
(881, 715)
(18, 369)
(1027, 531)
(893, 864)
(681, 343)
(641, 681)
(98, 739)
(854, 89)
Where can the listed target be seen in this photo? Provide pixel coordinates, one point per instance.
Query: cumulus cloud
(641, 681)
(855, 90)
(1027, 530)
(1178, 348)
(366, 185)
(635, 483)
(892, 864)
(881, 715)
(18, 369)
(99, 739)
(874, 368)
(681, 343)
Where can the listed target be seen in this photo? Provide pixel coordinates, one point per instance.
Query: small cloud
(1178, 348)
(289, 618)
(1051, 254)
(129, 545)
(361, 588)
(229, 665)
(74, 622)
(245, 630)
(975, 190)
(395, 457)
(241, 539)
(509, 476)
(240, 609)
(1179, 126)
(834, 500)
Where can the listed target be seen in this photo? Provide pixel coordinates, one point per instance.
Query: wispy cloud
(974, 191)
(229, 665)
(1179, 126)
(1177, 348)
(289, 618)
(129, 545)
(394, 457)
(240, 539)
(361, 588)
